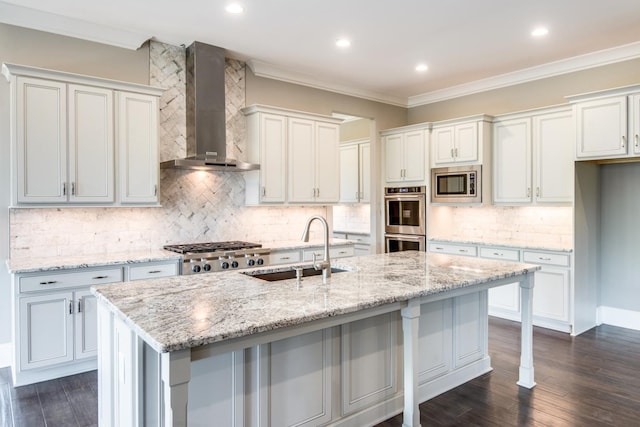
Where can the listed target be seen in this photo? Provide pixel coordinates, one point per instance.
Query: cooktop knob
(234, 264)
(207, 267)
(251, 262)
(225, 265)
(195, 269)
(260, 261)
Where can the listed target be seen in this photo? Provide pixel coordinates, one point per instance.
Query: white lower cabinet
(55, 324)
(289, 255)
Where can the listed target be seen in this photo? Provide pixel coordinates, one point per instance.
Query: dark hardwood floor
(590, 380)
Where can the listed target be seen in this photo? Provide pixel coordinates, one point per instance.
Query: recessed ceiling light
(422, 67)
(234, 8)
(343, 42)
(540, 31)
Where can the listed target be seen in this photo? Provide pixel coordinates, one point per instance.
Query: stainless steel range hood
(206, 122)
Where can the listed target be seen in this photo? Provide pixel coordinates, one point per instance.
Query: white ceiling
(469, 45)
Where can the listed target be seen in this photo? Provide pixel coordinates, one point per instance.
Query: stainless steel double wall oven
(405, 218)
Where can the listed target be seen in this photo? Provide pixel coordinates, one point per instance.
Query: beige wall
(355, 129)
(540, 93)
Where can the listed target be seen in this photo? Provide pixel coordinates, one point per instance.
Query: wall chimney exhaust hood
(206, 122)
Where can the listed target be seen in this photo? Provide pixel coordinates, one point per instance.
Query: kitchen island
(239, 350)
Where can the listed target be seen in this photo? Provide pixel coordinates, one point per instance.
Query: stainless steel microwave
(456, 184)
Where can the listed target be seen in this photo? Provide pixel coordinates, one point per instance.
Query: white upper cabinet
(138, 147)
(533, 158)
(64, 134)
(404, 150)
(355, 181)
(298, 155)
(607, 123)
(459, 141)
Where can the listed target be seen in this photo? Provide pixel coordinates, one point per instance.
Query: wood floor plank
(56, 407)
(25, 406)
(6, 418)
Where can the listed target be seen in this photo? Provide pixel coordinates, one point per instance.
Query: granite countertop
(189, 311)
(31, 265)
(506, 243)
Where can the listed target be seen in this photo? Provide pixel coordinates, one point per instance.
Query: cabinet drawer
(360, 238)
(47, 282)
(447, 248)
(340, 252)
(150, 271)
(284, 257)
(561, 260)
(499, 253)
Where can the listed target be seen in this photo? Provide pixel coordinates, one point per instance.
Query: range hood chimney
(206, 122)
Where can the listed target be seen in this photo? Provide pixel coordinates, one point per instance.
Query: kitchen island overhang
(159, 328)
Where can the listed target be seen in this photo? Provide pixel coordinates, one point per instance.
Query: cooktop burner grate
(211, 247)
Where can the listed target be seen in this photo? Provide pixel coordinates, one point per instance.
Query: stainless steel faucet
(325, 264)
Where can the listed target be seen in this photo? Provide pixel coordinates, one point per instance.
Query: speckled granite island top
(189, 311)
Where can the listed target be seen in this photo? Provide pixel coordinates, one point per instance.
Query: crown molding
(262, 69)
(551, 69)
(50, 22)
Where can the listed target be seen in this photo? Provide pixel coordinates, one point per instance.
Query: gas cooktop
(191, 248)
(220, 256)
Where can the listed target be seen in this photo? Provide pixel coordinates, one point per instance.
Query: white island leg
(410, 325)
(526, 351)
(176, 373)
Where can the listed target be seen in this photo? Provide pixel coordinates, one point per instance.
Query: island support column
(410, 326)
(176, 373)
(526, 351)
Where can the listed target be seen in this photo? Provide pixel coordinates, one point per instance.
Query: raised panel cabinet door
(91, 145)
(553, 137)
(301, 152)
(601, 128)
(394, 157)
(467, 142)
(46, 330)
(469, 328)
(443, 145)
(41, 141)
(349, 185)
(365, 172)
(504, 301)
(414, 161)
(551, 294)
(273, 151)
(635, 111)
(86, 325)
(327, 167)
(137, 132)
(369, 361)
(512, 161)
(435, 343)
(294, 383)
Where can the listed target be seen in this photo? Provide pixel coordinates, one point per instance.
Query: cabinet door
(414, 146)
(435, 340)
(365, 172)
(601, 128)
(443, 145)
(273, 145)
(635, 116)
(349, 185)
(466, 149)
(394, 152)
(512, 161)
(327, 162)
(301, 160)
(469, 328)
(41, 135)
(551, 294)
(91, 162)
(504, 301)
(138, 147)
(46, 330)
(554, 161)
(86, 325)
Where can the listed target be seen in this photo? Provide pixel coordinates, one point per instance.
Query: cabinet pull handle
(528, 191)
(318, 194)
(439, 248)
(455, 150)
(264, 191)
(49, 282)
(452, 153)
(537, 191)
(498, 254)
(64, 188)
(637, 142)
(73, 188)
(624, 141)
(342, 252)
(70, 307)
(155, 190)
(285, 257)
(99, 277)
(79, 306)
(463, 250)
(542, 258)
(155, 271)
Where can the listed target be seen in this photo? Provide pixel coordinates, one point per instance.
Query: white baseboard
(618, 317)
(5, 354)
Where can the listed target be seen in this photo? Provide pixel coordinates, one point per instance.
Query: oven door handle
(415, 238)
(407, 196)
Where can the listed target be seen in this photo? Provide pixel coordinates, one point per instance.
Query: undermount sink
(289, 274)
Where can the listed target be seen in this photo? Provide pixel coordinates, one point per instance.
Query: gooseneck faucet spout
(325, 264)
